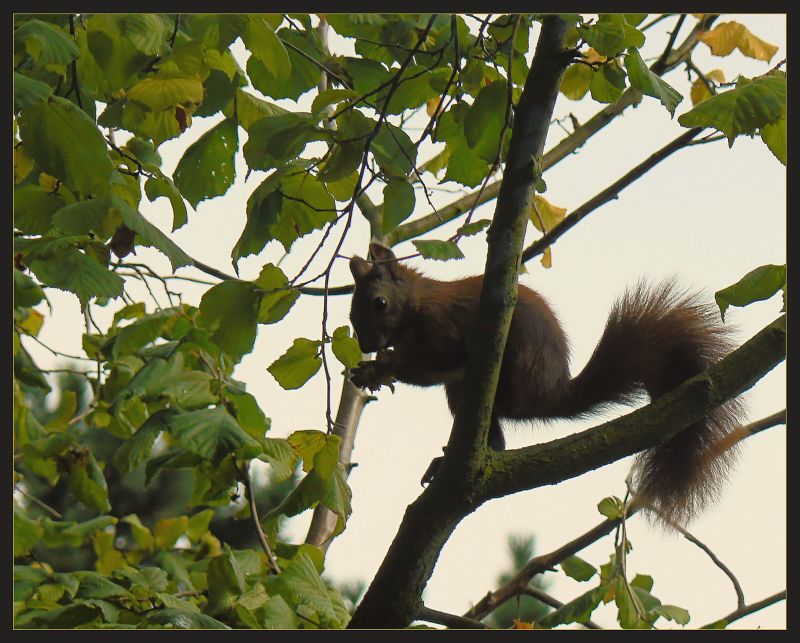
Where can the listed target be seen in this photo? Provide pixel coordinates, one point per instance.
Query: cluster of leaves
(167, 394)
(637, 607)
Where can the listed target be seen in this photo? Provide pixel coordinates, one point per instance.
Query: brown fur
(655, 338)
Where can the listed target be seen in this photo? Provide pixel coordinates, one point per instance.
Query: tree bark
(395, 596)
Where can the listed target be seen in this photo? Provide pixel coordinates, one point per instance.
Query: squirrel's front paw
(372, 375)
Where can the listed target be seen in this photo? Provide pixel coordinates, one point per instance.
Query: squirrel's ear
(386, 260)
(359, 267)
(381, 253)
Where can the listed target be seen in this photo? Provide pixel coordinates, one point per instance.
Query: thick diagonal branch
(394, 597)
(558, 460)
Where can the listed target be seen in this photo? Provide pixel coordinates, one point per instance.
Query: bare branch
(746, 610)
(450, 620)
(262, 538)
(611, 192)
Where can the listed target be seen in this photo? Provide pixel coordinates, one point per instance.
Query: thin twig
(262, 538)
(41, 504)
(611, 192)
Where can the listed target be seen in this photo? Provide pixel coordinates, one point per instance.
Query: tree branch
(543, 563)
(530, 467)
(611, 192)
(561, 150)
(394, 597)
(449, 620)
(747, 610)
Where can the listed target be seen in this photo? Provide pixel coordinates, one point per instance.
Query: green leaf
(79, 273)
(210, 433)
(483, 121)
(88, 484)
(191, 390)
(610, 507)
(157, 186)
(137, 449)
(184, 619)
(34, 208)
(398, 203)
(300, 584)
(280, 456)
(298, 364)
(225, 582)
(292, 79)
(393, 150)
(470, 229)
(260, 38)
(307, 443)
(276, 302)
(578, 610)
(28, 90)
(607, 83)
(230, 311)
(273, 140)
(643, 79)
(345, 348)
(27, 534)
(756, 285)
(150, 235)
(142, 536)
(439, 250)
(248, 414)
(774, 135)
(45, 43)
(27, 292)
(146, 31)
(672, 613)
(611, 35)
(206, 169)
(164, 90)
(94, 585)
(250, 109)
(66, 144)
(577, 568)
(751, 105)
(277, 615)
(287, 205)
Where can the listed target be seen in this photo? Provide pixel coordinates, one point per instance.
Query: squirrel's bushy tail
(655, 338)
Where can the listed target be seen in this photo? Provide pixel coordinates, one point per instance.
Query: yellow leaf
(168, 530)
(522, 625)
(49, 183)
(699, 89)
(547, 259)
(544, 215)
(23, 164)
(726, 37)
(32, 323)
(591, 56)
(108, 558)
(431, 106)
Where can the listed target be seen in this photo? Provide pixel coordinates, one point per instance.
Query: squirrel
(656, 337)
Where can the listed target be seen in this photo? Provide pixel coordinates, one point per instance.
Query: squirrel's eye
(379, 303)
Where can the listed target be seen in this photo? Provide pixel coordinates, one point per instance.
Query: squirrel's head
(381, 300)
